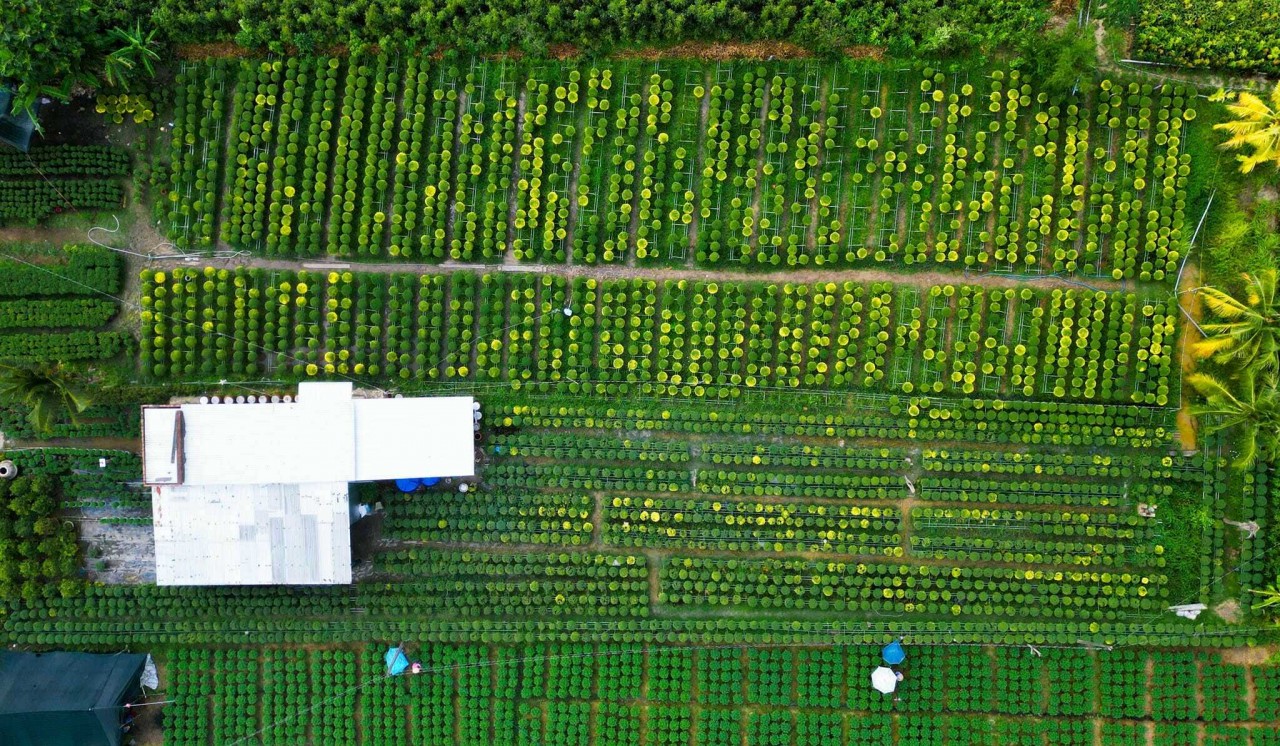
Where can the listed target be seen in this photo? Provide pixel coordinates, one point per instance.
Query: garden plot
(777, 165)
(618, 695)
(721, 336)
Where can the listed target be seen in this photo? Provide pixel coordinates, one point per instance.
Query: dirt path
(616, 272)
(53, 236)
(132, 445)
(1191, 307)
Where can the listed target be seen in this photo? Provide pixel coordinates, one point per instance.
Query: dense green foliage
(1233, 34)
(748, 165)
(44, 47)
(38, 551)
(499, 26)
(57, 312)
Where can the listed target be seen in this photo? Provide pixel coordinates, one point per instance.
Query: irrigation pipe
(152, 256)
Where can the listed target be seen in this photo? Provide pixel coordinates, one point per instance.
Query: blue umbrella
(893, 653)
(407, 485)
(430, 481)
(397, 662)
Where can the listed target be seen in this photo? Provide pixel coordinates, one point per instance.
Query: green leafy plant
(50, 392)
(1254, 408)
(137, 54)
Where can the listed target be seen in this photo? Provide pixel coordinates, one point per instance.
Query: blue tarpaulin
(397, 662)
(893, 653)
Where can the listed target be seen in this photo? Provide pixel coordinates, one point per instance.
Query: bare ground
(794, 276)
(720, 51)
(129, 551)
(1250, 656)
(1228, 611)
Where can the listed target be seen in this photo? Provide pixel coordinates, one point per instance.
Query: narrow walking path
(922, 279)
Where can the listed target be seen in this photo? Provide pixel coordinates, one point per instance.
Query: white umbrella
(884, 680)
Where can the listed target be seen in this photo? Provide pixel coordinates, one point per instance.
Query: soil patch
(128, 551)
(720, 51)
(216, 50)
(147, 726)
(1249, 656)
(72, 123)
(864, 52)
(56, 237)
(1228, 611)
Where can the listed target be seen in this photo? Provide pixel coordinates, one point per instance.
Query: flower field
(673, 336)
(676, 530)
(600, 695)
(748, 165)
(775, 362)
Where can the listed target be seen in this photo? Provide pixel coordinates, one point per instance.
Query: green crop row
(622, 695)
(781, 164)
(65, 160)
(576, 447)
(751, 527)
(61, 312)
(560, 520)
(32, 200)
(858, 417)
(63, 347)
(717, 337)
(776, 584)
(76, 270)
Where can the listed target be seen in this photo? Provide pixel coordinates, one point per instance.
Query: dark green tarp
(15, 126)
(65, 699)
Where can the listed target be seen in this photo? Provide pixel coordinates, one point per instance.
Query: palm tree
(1249, 332)
(1257, 126)
(48, 391)
(1255, 410)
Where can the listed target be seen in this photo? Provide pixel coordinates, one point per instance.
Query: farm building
(258, 494)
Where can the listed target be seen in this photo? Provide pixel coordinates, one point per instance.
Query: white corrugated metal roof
(255, 494)
(326, 436)
(432, 435)
(267, 534)
(268, 443)
(159, 431)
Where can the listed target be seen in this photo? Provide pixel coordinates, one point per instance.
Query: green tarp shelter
(15, 126)
(65, 699)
